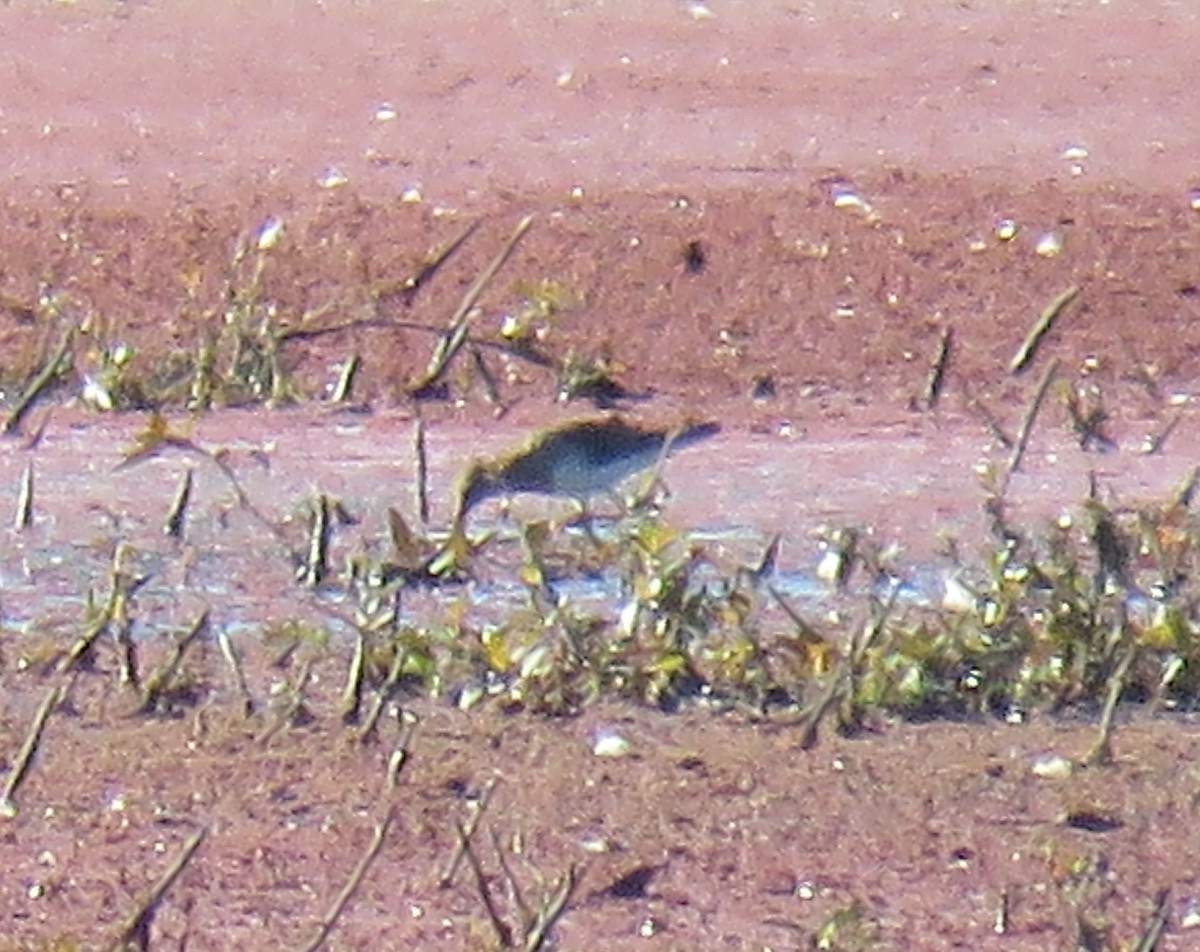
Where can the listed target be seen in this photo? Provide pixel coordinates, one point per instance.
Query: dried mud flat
(770, 216)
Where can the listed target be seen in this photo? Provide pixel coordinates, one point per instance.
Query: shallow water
(911, 481)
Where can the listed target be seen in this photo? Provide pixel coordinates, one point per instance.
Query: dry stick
(399, 755)
(292, 705)
(552, 911)
(367, 731)
(422, 471)
(239, 676)
(29, 749)
(467, 832)
(1041, 327)
(136, 930)
(434, 262)
(453, 340)
(316, 562)
(937, 371)
(1101, 754)
(345, 384)
(160, 680)
(1154, 444)
(502, 929)
(44, 378)
(989, 419)
(352, 884)
(24, 515)
(515, 895)
(118, 590)
(351, 704)
(1031, 413)
(1158, 922)
(177, 514)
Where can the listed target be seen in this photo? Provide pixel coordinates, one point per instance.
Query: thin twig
(502, 929)
(29, 749)
(469, 830)
(1031, 414)
(937, 370)
(39, 383)
(1158, 922)
(329, 920)
(454, 338)
(239, 676)
(24, 515)
(136, 930)
(1041, 327)
(164, 676)
(421, 459)
(552, 911)
(177, 514)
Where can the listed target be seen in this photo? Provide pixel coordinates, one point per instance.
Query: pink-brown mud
(142, 141)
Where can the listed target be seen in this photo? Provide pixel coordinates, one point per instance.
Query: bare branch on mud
(1101, 753)
(1158, 922)
(29, 749)
(1026, 430)
(135, 933)
(395, 670)
(466, 832)
(352, 694)
(434, 261)
(551, 911)
(239, 676)
(975, 405)
(177, 514)
(421, 462)
(24, 515)
(1153, 445)
(45, 377)
(161, 680)
(937, 371)
(121, 585)
(456, 335)
(329, 920)
(344, 387)
(1041, 327)
(316, 560)
(292, 709)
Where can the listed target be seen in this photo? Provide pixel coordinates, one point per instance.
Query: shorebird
(580, 460)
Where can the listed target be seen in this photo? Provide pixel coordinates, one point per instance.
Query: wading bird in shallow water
(579, 460)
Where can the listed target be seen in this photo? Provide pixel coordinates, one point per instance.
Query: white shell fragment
(269, 234)
(1049, 245)
(1052, 767)
(608, 743)
(1006, 229)
(332, 177)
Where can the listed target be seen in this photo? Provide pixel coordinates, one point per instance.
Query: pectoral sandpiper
(581, 459)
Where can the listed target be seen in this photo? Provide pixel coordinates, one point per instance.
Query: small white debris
(412, 196)
(1194, 199)
(608, 743)
(699, 10)
(332, 177)
(385, 112)
(1052, 767)
(957, 596)
(1049, 245)
(269, 234)
(1006, 229)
